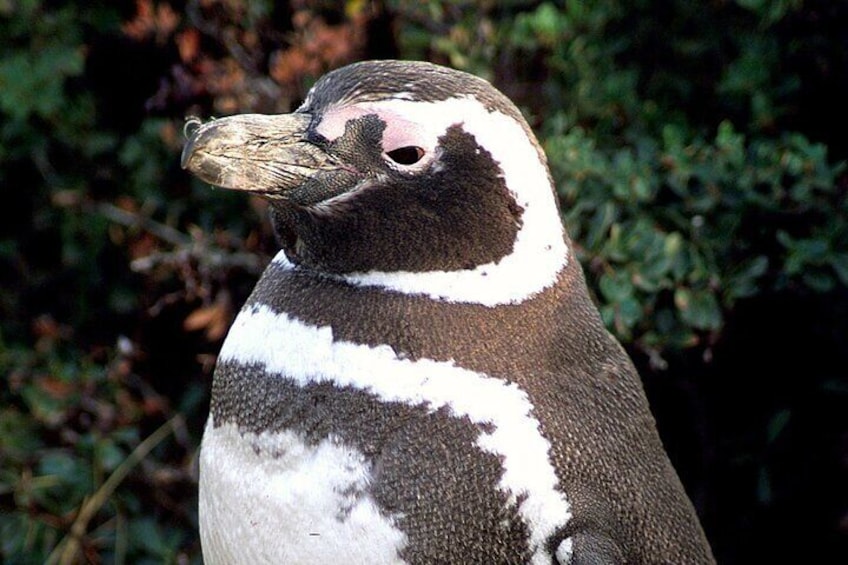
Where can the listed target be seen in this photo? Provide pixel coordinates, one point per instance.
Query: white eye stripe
(539, 253)
(400, 131)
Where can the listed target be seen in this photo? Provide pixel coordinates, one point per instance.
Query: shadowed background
(698, 151)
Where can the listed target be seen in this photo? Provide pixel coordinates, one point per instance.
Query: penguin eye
(406, 155)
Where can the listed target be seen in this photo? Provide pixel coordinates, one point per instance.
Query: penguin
(420, 375)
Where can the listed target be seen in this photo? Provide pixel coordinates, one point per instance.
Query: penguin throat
(390, 229)
(334, 247)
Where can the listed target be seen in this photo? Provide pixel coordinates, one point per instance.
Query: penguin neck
(387, 226)
(511, 273)
(417, 326)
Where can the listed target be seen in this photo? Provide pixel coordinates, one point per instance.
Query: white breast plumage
(280, 345)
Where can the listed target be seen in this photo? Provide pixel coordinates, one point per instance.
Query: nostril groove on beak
(192, 124)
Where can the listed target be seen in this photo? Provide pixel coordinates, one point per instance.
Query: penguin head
(394, 167)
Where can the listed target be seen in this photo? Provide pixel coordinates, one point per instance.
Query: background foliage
(698, 149)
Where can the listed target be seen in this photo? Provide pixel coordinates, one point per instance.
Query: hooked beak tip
(188, 152)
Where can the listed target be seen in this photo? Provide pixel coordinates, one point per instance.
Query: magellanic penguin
(420, 375)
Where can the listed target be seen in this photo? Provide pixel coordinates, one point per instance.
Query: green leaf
(764, 486)
(744, 282)
(819, 281)
(699, 309)
(629, 312)
(616, 287)
(776, 425)
(109, 454)
(839, 262)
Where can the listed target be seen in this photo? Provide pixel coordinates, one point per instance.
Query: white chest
(271, 498)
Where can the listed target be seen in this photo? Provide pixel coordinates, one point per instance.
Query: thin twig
(208, 257)
(137, 221)
(67, 550)
(187, 246)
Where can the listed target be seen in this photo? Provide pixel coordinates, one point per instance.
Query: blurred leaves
(24, 73)
(712, 241)
(680, 140)
(68, 425)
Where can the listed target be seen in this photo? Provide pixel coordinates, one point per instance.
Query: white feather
(271, 498)
(309, 354)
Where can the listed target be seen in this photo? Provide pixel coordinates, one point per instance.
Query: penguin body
(420, 376)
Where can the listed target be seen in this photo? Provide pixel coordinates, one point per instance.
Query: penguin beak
(258, 153)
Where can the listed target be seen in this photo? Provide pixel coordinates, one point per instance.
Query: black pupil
(406, 155)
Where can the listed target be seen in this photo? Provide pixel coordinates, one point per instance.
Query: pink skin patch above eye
(399, 132)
